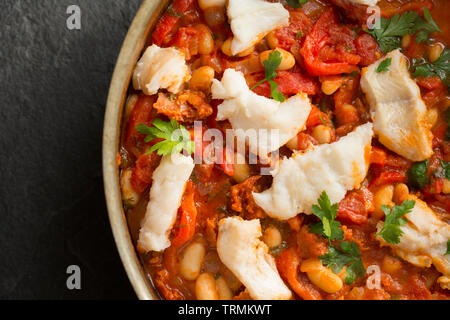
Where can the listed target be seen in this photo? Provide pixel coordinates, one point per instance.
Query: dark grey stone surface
(53, 88)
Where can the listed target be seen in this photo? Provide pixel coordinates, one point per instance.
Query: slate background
(53, 88)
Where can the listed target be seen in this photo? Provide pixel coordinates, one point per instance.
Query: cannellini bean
(192, 260)
(129, 196)
(205, 287)
(406, 41)
(391, 264)
(287, 59)
(272, 40)
(202, 78)
(241, 169)
(446, 187)
(321, 276)
(434, 51)
(432, 116)
(272, 237)
(401, 191)
(205, 40)
(383, 196)
(223, 289)
(205, 4)
(331, 86)
(226, 47)
(322, 134)
(293, 143)
(129, 106)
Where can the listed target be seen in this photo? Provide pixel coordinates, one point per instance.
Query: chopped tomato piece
(378, 156)
(316, 117)
(142, 113)
(389, 176)
(329, 47)
(299, 26)
(188, 216)
(430, 83)
(141, 176)
(354, 208)
(169, 20)
(289, 83)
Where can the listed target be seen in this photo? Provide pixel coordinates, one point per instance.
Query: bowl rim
(133, 45)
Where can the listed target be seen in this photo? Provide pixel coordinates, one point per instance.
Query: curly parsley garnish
(392, 29)
(327, 226)
(347, 255)
(384, 65)
(175, 137)
(296, 3)
(391, 231)
(270, 67)
(448, 248)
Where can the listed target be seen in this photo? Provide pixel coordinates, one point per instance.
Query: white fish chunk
(160, 68)
(397, 109)
(251, 20)
(242, 252)
(169, 181)
(335, 168)
(265, 124)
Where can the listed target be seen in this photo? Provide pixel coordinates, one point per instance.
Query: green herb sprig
(391, 231)
(327, 226)
(346, 255)
(392, 29)
(175, 137)
(296, 3)
(270, 67)
(384, 65)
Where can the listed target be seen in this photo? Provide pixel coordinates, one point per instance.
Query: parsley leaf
(296, 3)
(270, 67)
(327, 226)
(446, 169)
(391, 30)
(391, 231)
(425, 27)
(299, 34)
(448, 248)
(384, 65)
(347, 255)
(175, 137)
(440, 68)
(417, 174)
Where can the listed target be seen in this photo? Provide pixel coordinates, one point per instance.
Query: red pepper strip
(316, 117)
(169, 20)
(289, 83)
(188, 211)
(387, 177)
(287, 264)
(378, 156)
(316, 40)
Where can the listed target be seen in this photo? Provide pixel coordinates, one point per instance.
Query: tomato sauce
(210, 196)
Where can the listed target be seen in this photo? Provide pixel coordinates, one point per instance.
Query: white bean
(192, 260)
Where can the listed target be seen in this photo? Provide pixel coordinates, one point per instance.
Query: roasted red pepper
(185, 230)
(329, 49)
